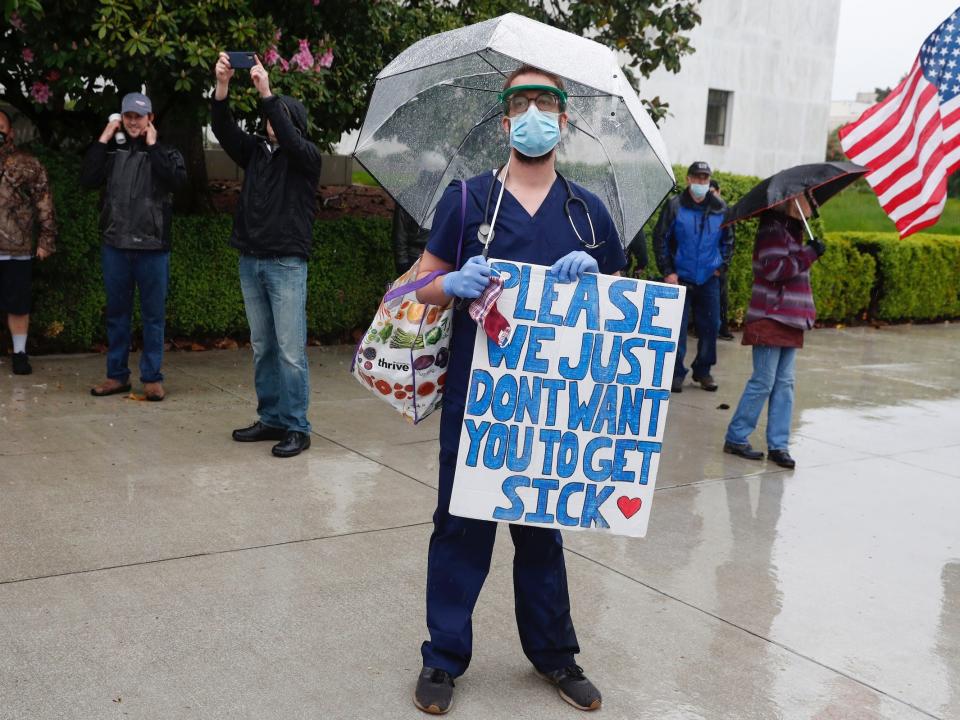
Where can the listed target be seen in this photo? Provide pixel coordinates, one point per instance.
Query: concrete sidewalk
(152, 568)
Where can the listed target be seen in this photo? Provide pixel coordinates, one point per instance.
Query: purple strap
(415, 285)
(463, 218)
(427, 279)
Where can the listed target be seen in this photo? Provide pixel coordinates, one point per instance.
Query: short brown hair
(524, 69)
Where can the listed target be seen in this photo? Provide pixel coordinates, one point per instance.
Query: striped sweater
(781, 273)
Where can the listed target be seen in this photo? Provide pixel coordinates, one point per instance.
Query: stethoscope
(486, 232)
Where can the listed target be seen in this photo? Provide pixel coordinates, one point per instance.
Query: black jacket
(638, 249)
(409, 239)
(138, 181)
(278, 201)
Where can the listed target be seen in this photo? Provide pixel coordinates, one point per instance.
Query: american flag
(911, 140)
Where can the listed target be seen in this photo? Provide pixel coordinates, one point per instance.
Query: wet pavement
(152, 568)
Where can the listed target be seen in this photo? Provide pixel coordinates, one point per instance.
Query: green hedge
(862, 274)
(350, 266)
(917, 278)
(842, 281)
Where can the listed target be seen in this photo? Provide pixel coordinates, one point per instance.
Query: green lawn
(362, 177)
(857, 209)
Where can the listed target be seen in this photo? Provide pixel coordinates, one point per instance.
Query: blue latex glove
(573, 265)
(470, 281)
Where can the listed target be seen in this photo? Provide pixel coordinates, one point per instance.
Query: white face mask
(699, 191)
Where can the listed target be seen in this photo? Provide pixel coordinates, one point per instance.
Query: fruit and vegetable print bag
(403, 356)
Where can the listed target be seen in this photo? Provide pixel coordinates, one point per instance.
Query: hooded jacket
(688, 239)
(26, 205)
(781, 273)
(138, 181)
(278, 201)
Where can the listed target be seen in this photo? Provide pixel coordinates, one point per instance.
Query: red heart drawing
(629, 506)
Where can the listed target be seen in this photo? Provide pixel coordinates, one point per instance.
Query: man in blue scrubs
(531, 227)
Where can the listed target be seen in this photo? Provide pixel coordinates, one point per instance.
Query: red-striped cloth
(781, 274)
(911, 140)
(484, 312)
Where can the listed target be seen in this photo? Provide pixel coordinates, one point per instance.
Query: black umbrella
(823, 180)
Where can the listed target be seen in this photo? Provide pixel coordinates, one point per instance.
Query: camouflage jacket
(25, 203)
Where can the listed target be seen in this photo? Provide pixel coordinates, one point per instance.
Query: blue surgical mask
(699, 191)
(535, 133)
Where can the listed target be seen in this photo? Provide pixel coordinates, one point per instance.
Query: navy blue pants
(457, 565)
(148, 270)
(704, 302)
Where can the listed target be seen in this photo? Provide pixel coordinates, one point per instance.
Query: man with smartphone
(138, 175)
(273, 230)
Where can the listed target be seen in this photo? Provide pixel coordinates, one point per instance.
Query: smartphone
(241, 60)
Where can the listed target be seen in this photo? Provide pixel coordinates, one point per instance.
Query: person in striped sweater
(781, 309)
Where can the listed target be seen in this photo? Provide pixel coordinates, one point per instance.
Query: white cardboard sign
(564, 423)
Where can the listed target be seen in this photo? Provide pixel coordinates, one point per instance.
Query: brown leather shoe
(154, 391)
(110, 387)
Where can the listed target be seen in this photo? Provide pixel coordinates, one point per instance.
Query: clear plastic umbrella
(434, 117)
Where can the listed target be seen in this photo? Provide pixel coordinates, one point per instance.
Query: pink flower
(316, 2)
(276, 35)
(27, 55)
(271, 56)
(17, 22)
(326, 60)
(284, 65)
(304, 58)
(73, 45)
(53, 75)
(40, 92)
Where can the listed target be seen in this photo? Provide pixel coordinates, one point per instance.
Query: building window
(718, 113)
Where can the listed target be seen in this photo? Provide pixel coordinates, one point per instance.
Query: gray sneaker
(434, 693)
(706, 382)
(574, 687)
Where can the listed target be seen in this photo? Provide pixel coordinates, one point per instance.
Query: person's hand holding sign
(470, 281)
(574, 264)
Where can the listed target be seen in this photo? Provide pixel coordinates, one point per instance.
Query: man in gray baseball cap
(136, 103)
(139, 176)
(692, 248)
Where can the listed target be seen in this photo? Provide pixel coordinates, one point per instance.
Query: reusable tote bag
(403, 356)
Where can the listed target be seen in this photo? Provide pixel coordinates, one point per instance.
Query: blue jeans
(773, 379)
(275, 298)
(704, 300)
(457, 565)
(149, 271)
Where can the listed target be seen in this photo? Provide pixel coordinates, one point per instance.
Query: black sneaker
(434, 693)
(21, 364)
(293, 444)
(744, 451)
(676, 386)
(782, 458)
(725, 335)
(574, 687)
(257, 432)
